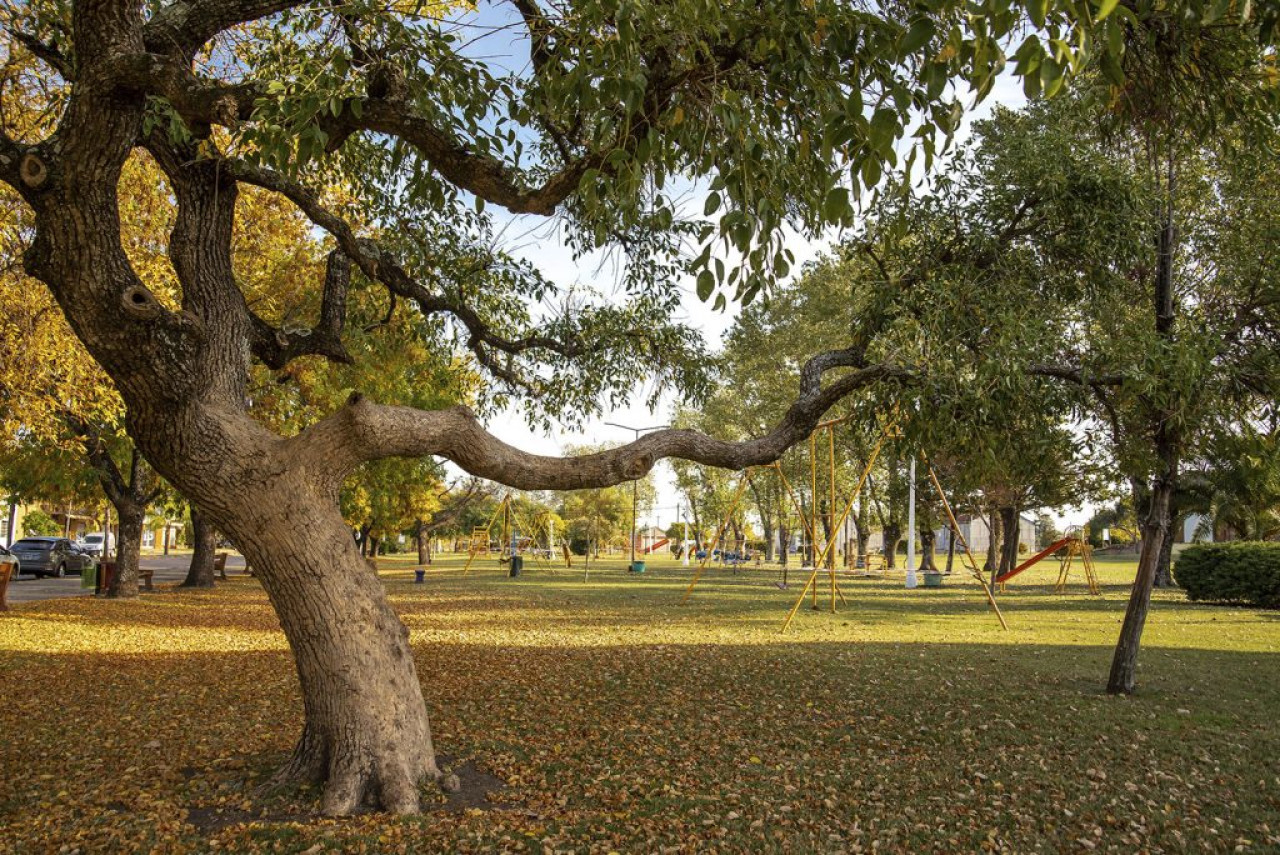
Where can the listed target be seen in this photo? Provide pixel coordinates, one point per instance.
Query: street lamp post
(635, 485)
(911, 526)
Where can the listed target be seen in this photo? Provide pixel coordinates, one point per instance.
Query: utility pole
(635, 486)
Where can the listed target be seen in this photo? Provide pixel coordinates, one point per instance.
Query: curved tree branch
(381, 266)
(364, 430)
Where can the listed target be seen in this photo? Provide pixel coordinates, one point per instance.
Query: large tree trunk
(366, 736)
(1010, 530)
(1124, 664)
(200, 573)
(424, 543)
(892, 537)
(927, 564)
(128, 550)
(1164, 565)
(993, 547)
(1167, 445)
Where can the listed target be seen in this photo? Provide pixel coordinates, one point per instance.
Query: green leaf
(1105, 8)
(712, 205)
(836, 205)
(918, 36)
(706, 284)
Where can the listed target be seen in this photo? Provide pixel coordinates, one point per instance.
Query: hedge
(1240, 572)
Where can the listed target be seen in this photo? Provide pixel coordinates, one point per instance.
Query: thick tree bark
(1009, 529)
(128, 550)
(892, 537)
(927, 536)
(200, 573)
(366, 736)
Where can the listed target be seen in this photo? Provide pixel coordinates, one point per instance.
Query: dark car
(50, 556)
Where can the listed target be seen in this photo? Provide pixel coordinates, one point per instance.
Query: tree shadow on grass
(650, 738)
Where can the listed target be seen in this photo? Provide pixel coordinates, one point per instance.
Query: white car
(92, 543)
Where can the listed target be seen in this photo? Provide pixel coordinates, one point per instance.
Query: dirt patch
(477, 790)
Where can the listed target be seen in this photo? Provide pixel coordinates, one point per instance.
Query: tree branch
(48, 54)
(364, 430)
(1078, 376)
(185, 26)
(276, 348)
(381, 266)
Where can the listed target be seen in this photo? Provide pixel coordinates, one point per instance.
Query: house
(12, 514)
(154, 529)
(74, 523)
(977, 535)
(650, 538)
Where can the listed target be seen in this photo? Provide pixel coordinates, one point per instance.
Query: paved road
(171, 568)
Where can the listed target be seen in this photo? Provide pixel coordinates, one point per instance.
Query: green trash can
(637, 566)
(933, 580)
(89, 576)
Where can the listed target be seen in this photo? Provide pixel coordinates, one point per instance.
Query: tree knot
(33, 171)
(637, 467)
(141, 303)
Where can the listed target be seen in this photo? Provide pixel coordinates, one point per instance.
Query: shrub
(1243, 572)
(39, 524)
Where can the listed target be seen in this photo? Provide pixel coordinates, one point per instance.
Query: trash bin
(517, 564)
(419, 576)
(637, 566)
(89, 576)
(933, 580)
(105, 575)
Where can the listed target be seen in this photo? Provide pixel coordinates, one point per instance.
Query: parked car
(7, 557)
(93, 543)
(50, 556)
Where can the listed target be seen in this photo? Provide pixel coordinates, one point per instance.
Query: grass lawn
(620, 720)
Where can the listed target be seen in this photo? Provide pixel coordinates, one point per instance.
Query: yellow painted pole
(795, 500)
(702, 565)
(831, 512)
(955, 526)
(866, 472)
(813, 505)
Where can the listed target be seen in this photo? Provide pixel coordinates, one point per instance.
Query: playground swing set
(516, 541)
(811, 522)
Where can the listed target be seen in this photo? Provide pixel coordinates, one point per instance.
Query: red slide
(1042, 554)
(657, 546)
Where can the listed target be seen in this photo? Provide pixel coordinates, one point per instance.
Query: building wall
(1187, 534)
(11, 519)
